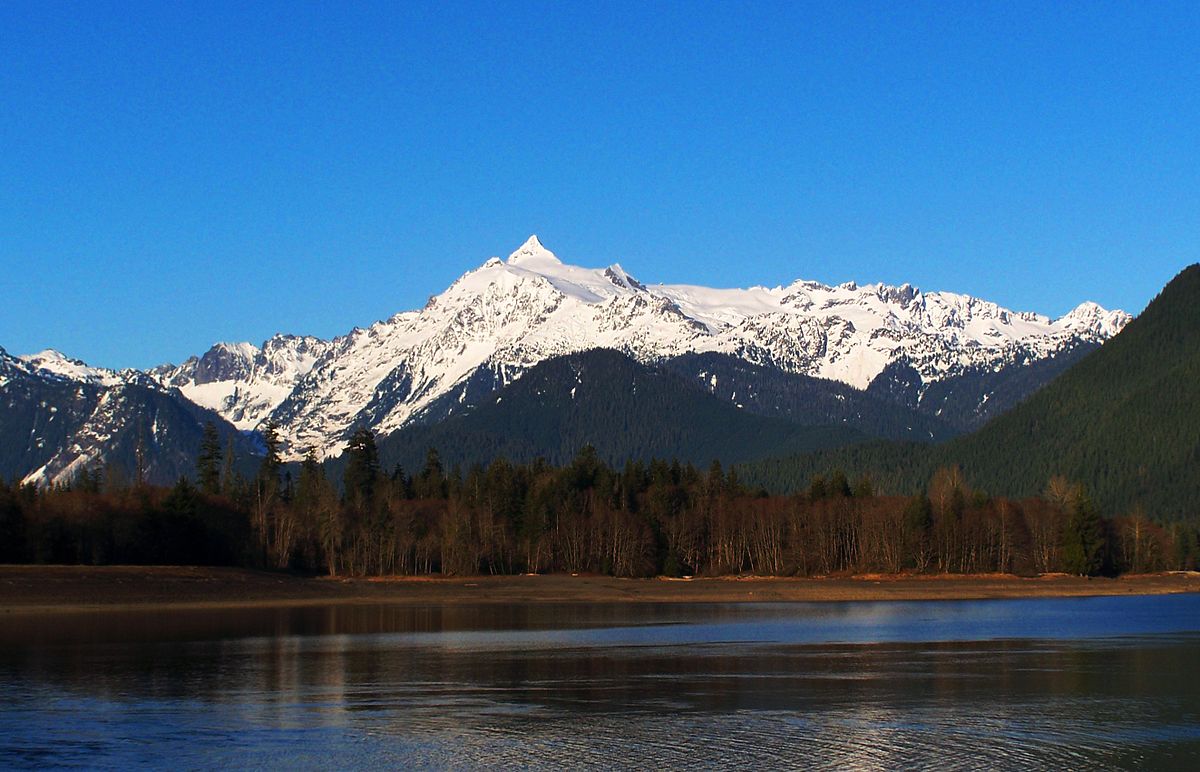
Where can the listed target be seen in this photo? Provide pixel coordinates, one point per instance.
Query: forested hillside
(1124, 422)
(622, 408)
(804, 399)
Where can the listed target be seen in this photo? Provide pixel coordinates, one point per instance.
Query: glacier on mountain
(502, 318)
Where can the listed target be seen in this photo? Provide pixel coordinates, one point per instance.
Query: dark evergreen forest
(585, 516)
(1124, 422)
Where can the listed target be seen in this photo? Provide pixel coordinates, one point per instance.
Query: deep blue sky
(173, 174)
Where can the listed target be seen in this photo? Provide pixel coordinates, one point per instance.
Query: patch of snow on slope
(500, 319)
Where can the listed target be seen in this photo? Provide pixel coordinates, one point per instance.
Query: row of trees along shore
(641, 520)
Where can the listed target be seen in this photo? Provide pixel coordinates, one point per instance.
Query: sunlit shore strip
(49, 589)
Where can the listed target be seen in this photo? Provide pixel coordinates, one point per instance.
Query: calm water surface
(1055, 684)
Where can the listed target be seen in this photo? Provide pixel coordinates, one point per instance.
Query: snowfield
(499, 320)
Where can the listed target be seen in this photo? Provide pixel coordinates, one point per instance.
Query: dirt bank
(34, 589)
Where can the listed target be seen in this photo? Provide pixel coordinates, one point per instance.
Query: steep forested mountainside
(56, 426)
(804, 399)
(1124, 422)
(621, 407)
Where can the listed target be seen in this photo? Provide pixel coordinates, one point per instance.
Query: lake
(1081, 683)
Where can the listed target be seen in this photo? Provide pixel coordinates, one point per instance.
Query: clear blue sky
(172, 174)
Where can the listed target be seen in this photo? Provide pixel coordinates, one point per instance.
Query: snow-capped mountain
(241, 381)
(56, 364)
(500, 319)
(61, 417)
(497, 321)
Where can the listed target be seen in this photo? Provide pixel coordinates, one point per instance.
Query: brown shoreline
(72, 589)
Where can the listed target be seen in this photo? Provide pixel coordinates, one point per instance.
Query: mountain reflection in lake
(1046, 683)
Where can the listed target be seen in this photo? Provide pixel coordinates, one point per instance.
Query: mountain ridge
(1122, 421)
(934, 351)
(59, 425)
(506, 315)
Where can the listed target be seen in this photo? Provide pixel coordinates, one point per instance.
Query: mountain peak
(49, 355)
(242, 348)
(1095, 319)
(621, 278)
(532, 251)
(54, 361)
(59, 364)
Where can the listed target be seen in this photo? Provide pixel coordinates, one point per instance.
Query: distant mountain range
(57, 423)
(1124, 421)
(859, 361)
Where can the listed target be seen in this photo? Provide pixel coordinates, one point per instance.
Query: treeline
(641, 520)
(88, 523)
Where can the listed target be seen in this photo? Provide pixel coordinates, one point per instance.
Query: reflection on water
(1082, 683)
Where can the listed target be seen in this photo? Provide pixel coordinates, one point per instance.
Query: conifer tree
(268, 469)
(1083, 536)
(402, 482)
(431, 483)
(362, 469)
(839, 485)
(266, 487)
(182, 498)
(310, 480)
(918, 525)
(208, 463)
(228, 469)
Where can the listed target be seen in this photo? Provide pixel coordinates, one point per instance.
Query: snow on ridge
(505, 316)
(239, 348)
(1091, 318)
(243, 382)
(60, 365)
